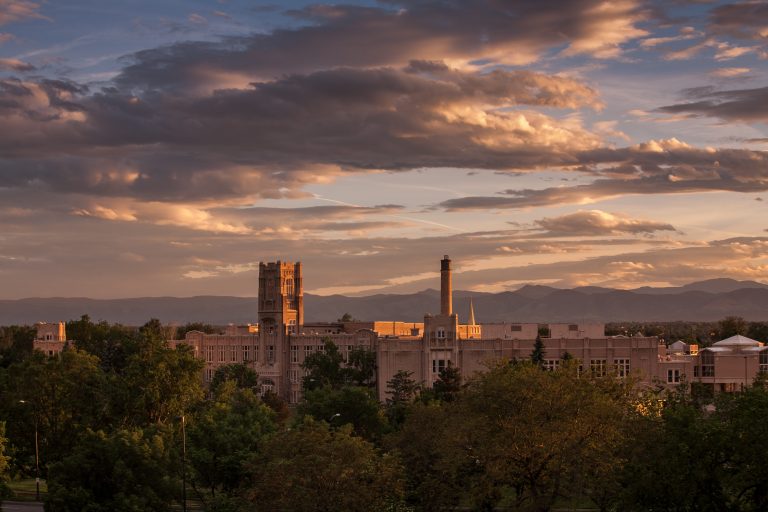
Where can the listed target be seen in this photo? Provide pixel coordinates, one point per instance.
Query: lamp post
(183, 464)
(37, 458)
(330, 420)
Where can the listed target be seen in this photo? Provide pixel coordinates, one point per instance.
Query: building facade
(277, 346)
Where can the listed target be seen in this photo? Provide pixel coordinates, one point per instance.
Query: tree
(537, 356)
(432, 478)
(127, 470)
(361, 368)
(222, 436)
(356, 406)
(536, 436)
(277, 404)
(60, 397)
(4, 464)
(324, 368)
(158, 382)
(328, 368)
(402, 390)
(732, 325)
(448, 383)
(758, 331)
(242, 376)
(315, 469)
(675, 461)
(346, 317)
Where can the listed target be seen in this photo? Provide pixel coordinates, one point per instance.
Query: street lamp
(37, 458)
(330, 420)
(183, 464)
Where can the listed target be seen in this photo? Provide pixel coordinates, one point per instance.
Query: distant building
(277, 346)
(50, 338)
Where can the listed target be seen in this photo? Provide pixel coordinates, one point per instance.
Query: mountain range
(701, 301)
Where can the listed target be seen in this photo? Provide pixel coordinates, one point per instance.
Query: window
(267, 385)
(233, 353)
(209, 351)
(222, 353)
(321, 348)
(673, 376)
(292, 326)
(551, 364)
(289, 288)
(439, 365)
(597, 366)
(246, 353)
(696, 371)
(573, 327)
(516, 328)
(441, 333)
(294, 396)
(307, 351)
(271, 354)
(208, 374)
(764, 361)
(294, 376)
(707, 359)
(622, 367)
(294, 353)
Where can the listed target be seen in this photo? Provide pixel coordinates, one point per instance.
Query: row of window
(309, 349)
(236, 353)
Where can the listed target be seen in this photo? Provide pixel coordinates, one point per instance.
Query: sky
(166, 148)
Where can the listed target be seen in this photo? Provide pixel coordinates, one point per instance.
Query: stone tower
(281, 297)
(281, 314)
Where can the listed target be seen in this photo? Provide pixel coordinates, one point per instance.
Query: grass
(24, 490)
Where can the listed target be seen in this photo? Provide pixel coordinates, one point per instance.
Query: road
(22, 506)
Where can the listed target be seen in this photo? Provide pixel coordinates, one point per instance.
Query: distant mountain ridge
(701, 301)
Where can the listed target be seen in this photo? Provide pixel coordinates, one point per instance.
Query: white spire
(471, 312)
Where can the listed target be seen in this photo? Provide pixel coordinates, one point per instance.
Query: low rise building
(277, 346)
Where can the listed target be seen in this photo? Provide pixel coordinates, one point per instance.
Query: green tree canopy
(240, 374)
(356, 406)
(315, 469)
(327, 368)
(222, 436)
(125, 471)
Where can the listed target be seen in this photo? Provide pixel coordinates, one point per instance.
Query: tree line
(114, 413)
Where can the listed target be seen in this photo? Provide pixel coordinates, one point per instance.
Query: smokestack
(446, 293)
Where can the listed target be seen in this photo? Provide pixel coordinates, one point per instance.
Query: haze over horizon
(164, 149)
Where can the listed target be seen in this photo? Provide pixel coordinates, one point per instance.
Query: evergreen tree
(537, 356)
(448, 384)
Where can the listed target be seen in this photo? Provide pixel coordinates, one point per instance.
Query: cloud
(743, 20)
(17, 10)
(197, 19)
(5, 37)
(729, 72)
(744, 105)
(599, 223)
(459, 32)
(654, 167)
(15, 65)
(242, 143)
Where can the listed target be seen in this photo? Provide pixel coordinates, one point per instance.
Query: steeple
(471, 320)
